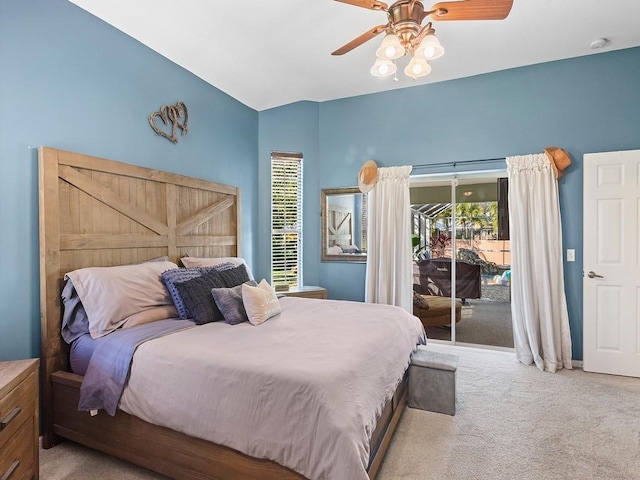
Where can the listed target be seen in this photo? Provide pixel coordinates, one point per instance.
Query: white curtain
(389, 270)
(538, 303)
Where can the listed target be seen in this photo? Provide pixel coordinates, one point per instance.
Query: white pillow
(192, 262)
(111, 295)
(334, 250)
(260, 303)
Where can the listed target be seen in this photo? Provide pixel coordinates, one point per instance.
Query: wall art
(175, 115)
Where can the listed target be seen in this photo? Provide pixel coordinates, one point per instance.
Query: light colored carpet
(512, 422)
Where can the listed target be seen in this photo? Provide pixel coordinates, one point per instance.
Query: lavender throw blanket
(109, 366)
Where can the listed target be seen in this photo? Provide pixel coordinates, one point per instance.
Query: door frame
(454, 179)
(608, 344)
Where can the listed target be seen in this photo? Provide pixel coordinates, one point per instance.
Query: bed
(97, 212)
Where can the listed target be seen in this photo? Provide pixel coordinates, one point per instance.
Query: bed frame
(96, 212)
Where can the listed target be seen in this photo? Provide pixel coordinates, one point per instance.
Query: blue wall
(70, 81)
(587, 104)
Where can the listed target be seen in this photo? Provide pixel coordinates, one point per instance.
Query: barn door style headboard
(96, 212)
(339, 225)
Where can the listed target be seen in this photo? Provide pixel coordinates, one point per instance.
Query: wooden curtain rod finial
(170, 114)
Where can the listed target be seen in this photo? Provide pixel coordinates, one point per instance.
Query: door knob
(593, 274)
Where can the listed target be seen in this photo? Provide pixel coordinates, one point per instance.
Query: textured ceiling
(269, 53)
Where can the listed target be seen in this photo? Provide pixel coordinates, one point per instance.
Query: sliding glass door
(461, 260)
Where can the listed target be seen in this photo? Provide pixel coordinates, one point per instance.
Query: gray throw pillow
(229, 302)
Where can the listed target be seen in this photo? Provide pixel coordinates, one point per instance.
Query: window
(286, 219)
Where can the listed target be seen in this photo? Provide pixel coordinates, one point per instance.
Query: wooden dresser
(305, 292)
(19, 420)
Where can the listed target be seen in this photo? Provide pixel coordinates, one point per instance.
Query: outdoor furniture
(439, 312)
(434, 278)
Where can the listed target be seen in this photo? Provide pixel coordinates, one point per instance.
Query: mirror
(344, 225)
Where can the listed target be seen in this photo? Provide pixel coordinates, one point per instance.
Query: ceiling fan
(406, 34)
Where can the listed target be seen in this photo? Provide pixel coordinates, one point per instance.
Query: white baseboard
(574, 363)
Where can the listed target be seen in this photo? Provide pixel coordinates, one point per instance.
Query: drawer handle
(4, 423)
(9, 472)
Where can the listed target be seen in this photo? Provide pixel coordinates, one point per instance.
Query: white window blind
(286, 219)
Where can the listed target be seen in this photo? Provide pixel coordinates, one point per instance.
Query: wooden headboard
(96, 212)
(339, 225)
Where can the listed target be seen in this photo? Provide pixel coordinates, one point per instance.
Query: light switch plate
(571, 255)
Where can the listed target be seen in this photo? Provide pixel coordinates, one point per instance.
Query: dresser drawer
(17, 459)
(16, 407)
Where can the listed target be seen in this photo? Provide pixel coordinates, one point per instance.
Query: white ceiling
(267, 53)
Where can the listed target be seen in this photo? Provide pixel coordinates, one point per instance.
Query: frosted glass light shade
(417, 67)
(430, 48)
(390, 48)
(383, 68)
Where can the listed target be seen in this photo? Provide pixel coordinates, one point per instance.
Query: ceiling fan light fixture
(417, 67)
(405, 34)
(390, 48)
(383, 68)
(430, 48)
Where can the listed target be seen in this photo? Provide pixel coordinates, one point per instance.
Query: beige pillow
(111, 295)
(260, 303)
(151, 315)
(193, 262)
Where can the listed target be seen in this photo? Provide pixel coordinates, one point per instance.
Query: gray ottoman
(432, 381)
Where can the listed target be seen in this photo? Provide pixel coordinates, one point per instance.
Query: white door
(611, 284)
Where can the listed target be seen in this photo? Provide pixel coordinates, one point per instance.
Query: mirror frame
(324, 256)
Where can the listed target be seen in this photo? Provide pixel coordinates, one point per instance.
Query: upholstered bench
(432, 381)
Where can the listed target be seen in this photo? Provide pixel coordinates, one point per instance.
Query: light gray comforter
(304, 389)
(108, 368)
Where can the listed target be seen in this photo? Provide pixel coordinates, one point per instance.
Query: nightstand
(305, 292)
(19, 419)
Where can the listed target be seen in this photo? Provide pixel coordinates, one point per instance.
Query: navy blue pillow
(180, 275)
(233, 277)
(197, 298)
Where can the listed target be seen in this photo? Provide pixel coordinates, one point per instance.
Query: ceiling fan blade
(471, 10)
(356, 42)
(370, 4)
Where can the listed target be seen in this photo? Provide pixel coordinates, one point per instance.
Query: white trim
(281, 164)
(475, 346)
(430, 179)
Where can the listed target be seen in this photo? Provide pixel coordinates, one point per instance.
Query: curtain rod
(462, 162)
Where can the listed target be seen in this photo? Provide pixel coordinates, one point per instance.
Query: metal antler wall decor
(171, 114)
